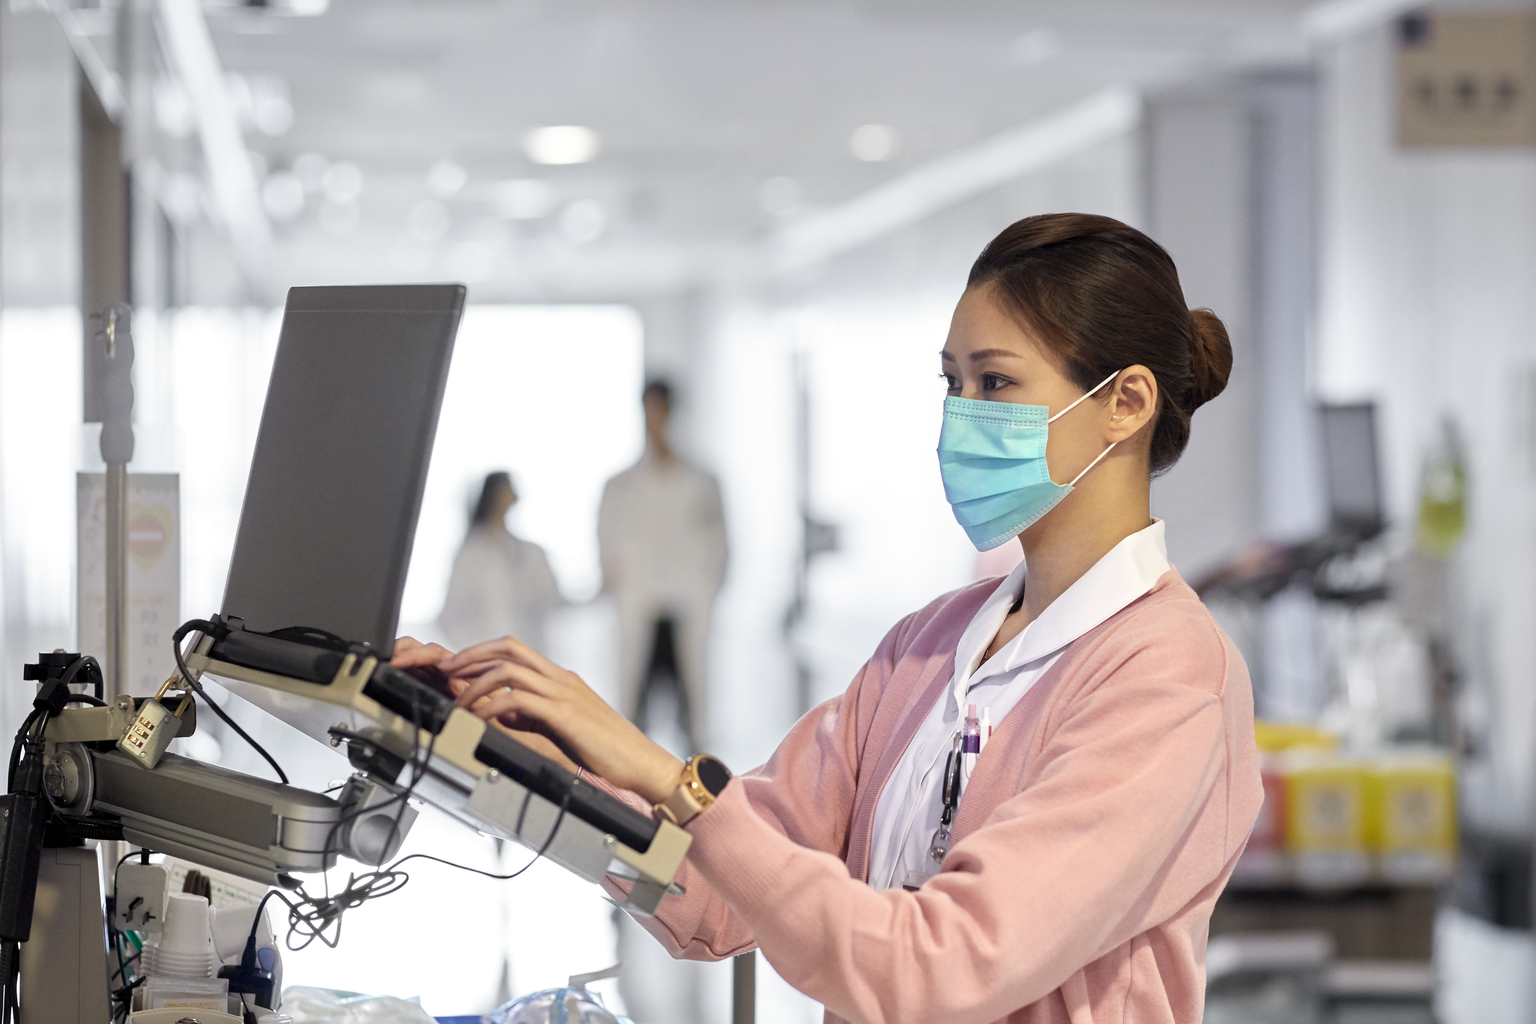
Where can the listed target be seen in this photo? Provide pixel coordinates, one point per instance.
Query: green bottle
(1443, 496)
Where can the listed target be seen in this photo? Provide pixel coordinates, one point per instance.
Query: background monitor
(341, 460)
(1353, 473)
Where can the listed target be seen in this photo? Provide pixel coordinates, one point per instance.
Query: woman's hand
(507, 681)
(411, 653)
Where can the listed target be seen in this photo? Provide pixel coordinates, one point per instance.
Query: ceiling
(719, 121)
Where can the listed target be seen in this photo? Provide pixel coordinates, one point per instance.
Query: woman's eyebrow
(986, 353)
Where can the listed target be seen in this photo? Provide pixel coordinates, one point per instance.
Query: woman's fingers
(522, 709)
(502, 676)
(505, 649)
(410, 653)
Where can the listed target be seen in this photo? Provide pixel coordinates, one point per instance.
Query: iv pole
(114, 354)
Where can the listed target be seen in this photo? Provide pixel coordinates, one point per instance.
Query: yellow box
(1325, 817)
(1410, 812)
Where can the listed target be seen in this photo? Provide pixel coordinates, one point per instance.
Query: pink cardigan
(1096, 832)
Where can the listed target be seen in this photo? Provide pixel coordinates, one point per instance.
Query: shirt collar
(1126, 572)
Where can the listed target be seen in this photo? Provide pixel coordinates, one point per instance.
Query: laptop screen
(341, 459)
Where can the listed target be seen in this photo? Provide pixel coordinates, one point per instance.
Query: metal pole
(112, 355)
(744, 988)
(116, 668)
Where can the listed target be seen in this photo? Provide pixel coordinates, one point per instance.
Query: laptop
(329, 519)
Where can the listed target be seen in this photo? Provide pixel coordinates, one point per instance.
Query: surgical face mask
(992, 459)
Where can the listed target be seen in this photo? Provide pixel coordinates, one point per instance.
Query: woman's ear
(1132, 403)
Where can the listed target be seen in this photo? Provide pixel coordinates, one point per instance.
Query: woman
(501, 584)
(1074, 878)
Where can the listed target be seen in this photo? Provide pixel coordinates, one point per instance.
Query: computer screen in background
(1353, 471)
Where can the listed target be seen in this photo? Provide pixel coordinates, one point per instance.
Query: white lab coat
(661, 534)
(501, 586)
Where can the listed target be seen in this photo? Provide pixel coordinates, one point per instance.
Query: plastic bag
(324, 1006)
(557, 1006)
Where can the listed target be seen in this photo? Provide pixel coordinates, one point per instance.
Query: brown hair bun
(1210, 358)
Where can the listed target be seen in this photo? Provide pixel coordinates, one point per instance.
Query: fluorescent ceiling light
(953, 178)
(561, 144)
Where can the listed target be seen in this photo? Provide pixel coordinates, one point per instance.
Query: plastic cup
(184, 939)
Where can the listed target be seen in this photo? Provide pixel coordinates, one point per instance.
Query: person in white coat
(661, 537)
(501, 584)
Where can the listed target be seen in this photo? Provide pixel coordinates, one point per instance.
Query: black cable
(18, 746)
(77, 666)
(113, 933)
(197, 687)
(328, 910)
(311, 918)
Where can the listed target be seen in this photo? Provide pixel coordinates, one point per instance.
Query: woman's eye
(951, 384)
(992, 382)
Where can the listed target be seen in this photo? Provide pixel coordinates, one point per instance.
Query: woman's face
(991, 356)
(503, 502)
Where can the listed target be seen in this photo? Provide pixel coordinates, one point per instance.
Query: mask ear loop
(1095, 462)
(1095, 389)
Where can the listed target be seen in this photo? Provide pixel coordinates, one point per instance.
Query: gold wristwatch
(704, 779)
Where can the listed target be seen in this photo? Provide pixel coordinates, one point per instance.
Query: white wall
(1428, 292)
(1199, 198)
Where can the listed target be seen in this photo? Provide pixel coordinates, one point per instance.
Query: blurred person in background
(501, 584)
(661, 538)
(896, 859)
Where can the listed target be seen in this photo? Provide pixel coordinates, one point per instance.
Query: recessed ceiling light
(429, 220)
(173, 109)
(470, 262)
(283, 195)
(342, 182)
(339, 218)
(874, 142)
(446, 177)
(410, 255)
(561, 144)
(181, 196)
(523, 198)
(1034, 46)
(780, 195)
(310, 167)
(583, 221)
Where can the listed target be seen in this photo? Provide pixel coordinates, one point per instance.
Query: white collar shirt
(909, 806)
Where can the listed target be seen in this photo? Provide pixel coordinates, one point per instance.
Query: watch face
(712, 775)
